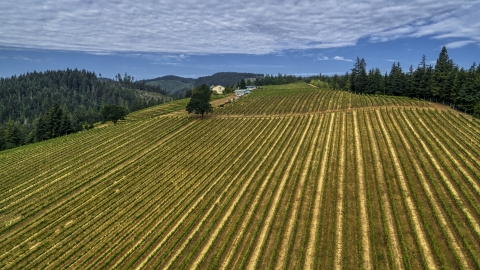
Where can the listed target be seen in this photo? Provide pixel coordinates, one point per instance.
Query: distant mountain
(225, 78)
(104, 79)
(171, 78)
(177, 86)
(173, 85)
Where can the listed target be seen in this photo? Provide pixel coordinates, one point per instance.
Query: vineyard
(290, 177)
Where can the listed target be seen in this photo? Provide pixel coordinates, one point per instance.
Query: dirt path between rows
(254, 204)
(340, 198)
(311, 245)
(385, 205)
(366, 245)
(214, 206)
(263, 234)
(468, 176)
(442, 220)
(284, 248)
(425, 247)
(445, 179)
(206, 247)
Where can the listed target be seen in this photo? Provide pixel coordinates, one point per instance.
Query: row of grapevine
(316, 179)
(302, 98)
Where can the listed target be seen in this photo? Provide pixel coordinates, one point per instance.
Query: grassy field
(290, 177)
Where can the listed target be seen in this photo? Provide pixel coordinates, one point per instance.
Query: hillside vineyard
(290, 176)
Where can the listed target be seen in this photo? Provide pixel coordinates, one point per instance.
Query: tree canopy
(79, 94)
(112, 112)
(200, 101)
(445, 82)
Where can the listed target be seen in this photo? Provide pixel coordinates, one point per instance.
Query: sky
(189, 38)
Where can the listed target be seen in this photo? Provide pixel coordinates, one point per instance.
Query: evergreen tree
(460, 80)
(442, 79)
(54, 123)
(476, 111)
(243, 84)
(396, 82)
(65, 124)
(359, 77)
(13, 136)
(409, 81)
(2, 138)
(417, 78)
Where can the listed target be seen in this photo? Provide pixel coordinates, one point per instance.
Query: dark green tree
(442, 79)
(200, 101)
(409, 82)
(54, 123)
(359, 77)
(111, 112)
(460, 80)
(2, 139)
(476, 110)
(417, 77)
(12, 136)
(396, 82)
(242, 84)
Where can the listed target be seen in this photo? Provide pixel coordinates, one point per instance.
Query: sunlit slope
(384, 186)
(302, 98)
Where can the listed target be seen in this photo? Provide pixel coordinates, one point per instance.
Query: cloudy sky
(192, 38)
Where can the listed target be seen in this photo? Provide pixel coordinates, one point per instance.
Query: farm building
(251, 87)
(218, 89)
(241, 92)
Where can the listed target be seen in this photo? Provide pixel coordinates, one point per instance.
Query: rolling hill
(174, 85)
(291, 176)
(80, 94)
(177, 86)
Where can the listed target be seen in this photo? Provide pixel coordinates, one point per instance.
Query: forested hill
(172, 78)
(79, 93)
(177, 86)
(225, 78)
(174, 85)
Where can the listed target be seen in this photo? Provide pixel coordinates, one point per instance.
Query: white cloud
(340, 58)
(26, 59)
(185, 27)
(322, 57)
(458, 44)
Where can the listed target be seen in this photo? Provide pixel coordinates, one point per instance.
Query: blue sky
(150, 38)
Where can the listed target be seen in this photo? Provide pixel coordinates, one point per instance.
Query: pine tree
(243, 84)
(409, 90)
(476, 110)
(460, 80)
(2, 138)
(359, 77)
(417, 78)
(396, 81)
(442, 79)
(12, 135)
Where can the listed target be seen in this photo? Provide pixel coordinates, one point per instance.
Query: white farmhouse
(241, 92)
(218, 89)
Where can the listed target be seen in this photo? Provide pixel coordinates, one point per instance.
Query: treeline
(78, 94)
(445, 82)
(278, 80)
(225, 78)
